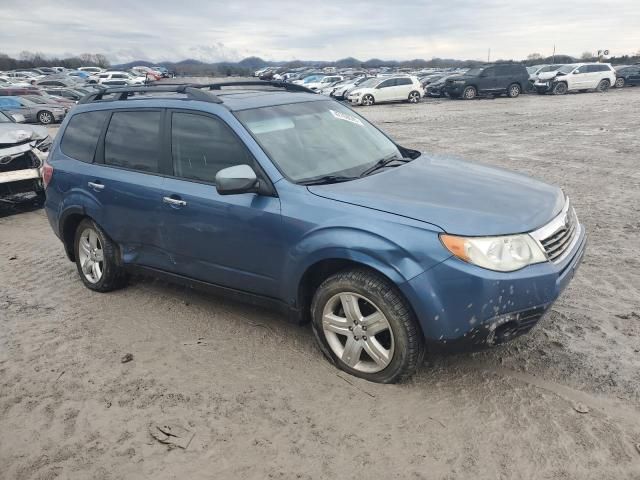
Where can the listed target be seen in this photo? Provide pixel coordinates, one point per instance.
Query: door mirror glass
(237, 179)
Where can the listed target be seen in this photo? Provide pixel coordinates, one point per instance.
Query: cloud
(215, 30)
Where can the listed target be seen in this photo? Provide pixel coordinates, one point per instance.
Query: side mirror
(235, 180)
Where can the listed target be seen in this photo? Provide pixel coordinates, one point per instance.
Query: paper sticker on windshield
(346, 118)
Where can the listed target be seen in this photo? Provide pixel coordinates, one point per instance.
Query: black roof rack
(291, 87)
(122, 93)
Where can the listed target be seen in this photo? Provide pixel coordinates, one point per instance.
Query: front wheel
(513, 91)
(366, 328)
(414, 97)
(619, 82)
(469, 93)
(560, 88)
(45, 117)
(603, 86)
(97, 258)
(368, 100)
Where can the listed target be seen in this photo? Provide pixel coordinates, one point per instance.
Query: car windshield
(474, 72)
(566, 68)
(311, 140)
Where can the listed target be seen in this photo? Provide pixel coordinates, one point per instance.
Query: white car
(91, 70)
(118, 79)
(323, 82)
(576, 77)
(388, 90)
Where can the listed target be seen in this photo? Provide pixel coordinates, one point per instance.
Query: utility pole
(554, 54)
(489, 56)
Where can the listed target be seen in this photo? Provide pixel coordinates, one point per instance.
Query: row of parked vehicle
(63, 77)
(508, 79)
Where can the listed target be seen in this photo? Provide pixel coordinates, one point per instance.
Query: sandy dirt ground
(261, 400)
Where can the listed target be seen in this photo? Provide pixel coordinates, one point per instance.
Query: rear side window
(404, 81)
(202, 146)
(133, 140)
(81, 135)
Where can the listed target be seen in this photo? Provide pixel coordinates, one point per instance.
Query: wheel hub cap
(91, 255)
(358, 332)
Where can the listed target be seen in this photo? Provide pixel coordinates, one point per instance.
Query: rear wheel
(414, 97)
(45, 117)
(603, 86)
(96, 258)
(619, 82)
(560, 88)
(469, 93)
(368, 100)
(365, 327)
(514, 90)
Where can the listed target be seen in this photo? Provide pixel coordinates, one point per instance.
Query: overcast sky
(215, 30)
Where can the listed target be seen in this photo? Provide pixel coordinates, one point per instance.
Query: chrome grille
(558, 236)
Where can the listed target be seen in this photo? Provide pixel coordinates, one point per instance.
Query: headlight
(502, 254)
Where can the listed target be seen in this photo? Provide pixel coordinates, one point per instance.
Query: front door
(228, 240)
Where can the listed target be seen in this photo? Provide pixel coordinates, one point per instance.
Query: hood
(459, 197)
(547, 75)
(11, 133)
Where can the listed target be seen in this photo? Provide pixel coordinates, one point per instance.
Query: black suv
(492, 79)
(628, 75)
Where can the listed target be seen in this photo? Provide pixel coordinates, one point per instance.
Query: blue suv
(285, 198)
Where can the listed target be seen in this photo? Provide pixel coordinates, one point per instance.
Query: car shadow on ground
(19, 204)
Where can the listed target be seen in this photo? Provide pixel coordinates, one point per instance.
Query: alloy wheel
(91, 255)
(45, 117)
(367, 100)
(414, 97)
(619, 82)
(469, 93)
(514, 91)
(358, 332)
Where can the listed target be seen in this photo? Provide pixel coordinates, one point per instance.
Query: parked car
(577, 77)
(116, 79)
(323, 82)
(627, 75)
(437, 88)
(297, 202)
(68, 93)
(61, 81)
(388, 90)
(341, 90)
(509, 79)
(33, 112)
(22, 151)
(538, 69)
(91, 70)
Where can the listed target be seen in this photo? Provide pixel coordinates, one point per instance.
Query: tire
(388, 356)
(45, 117)
(620, 81)
(603, 86)
(560, 88)
(469, 93)
(368, 100)
(514, 90)
(414, 97)
(93, 246)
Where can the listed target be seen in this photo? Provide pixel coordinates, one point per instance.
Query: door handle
(174, 202)
(95, 185)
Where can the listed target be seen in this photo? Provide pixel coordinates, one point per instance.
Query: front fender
(353, 244)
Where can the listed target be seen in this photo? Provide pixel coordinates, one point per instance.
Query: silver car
(36, 112)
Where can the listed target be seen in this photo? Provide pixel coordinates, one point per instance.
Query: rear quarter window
(81, 135)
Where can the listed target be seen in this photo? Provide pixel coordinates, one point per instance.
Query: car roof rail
(291, 87)
(122, 93)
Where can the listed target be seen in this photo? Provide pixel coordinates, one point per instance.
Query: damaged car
(23, 149)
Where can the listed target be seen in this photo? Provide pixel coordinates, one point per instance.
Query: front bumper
(462, 305)
(543, 87)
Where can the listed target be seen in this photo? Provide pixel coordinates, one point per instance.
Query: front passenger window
(201, 146)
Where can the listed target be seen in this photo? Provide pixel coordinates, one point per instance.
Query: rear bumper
(462, 305)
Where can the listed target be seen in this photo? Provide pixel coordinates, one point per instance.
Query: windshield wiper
(327, 179)
(383, 162)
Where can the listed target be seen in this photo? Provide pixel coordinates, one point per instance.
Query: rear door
(228, 240)
(403, 87)
(126, 184)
